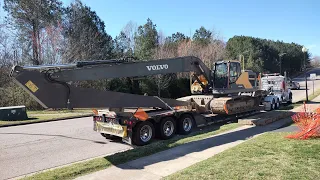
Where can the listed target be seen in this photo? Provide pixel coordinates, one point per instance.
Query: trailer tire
(145, 127)
(167, 128)
(185, 124)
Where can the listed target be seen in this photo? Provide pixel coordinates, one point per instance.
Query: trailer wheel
(143, 133)
(167, 128)
(185, 124)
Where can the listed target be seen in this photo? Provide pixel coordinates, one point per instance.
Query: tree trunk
(34, 44)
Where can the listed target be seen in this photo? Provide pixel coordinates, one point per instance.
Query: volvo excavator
(218, 93)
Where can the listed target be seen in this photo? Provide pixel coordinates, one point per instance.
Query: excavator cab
(225, 73)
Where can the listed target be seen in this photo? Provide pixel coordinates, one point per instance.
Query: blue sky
(288, 20)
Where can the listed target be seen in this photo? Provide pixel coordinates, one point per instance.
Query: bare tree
(315, 62)
(30, 17)
(208, 53)
(52, 43)
(161, 52)
(130, 31)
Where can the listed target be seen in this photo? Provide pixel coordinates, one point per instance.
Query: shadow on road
(57, 135)
(196, 146)
(309, 102)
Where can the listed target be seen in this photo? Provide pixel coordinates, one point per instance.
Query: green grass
(268, 156)
(45, 116)
(82, 168)
(312, 96)
(59, 111)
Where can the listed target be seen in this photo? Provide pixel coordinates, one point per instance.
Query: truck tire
(290, 99)
(167, 128)
(273, 104)
(143, 133)
(277, 105)
(185, 124)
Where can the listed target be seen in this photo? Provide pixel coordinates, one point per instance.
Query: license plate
(111, 128)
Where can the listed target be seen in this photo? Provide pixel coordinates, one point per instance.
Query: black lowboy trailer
(142, 126)
(222, 93)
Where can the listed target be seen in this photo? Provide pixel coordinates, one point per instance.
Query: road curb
(51, 120)
(265, 118)
(286, 124)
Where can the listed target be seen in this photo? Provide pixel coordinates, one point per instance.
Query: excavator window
(235, 71)
(221, 75)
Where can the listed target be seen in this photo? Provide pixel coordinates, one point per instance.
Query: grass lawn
(268, 156)
(82, 168)
(42, 116)
(312, 96)
(60, 111)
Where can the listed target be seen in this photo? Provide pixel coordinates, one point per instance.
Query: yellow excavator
(218, 92)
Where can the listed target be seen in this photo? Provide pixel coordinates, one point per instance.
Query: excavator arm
(117, 69)
(52, 85)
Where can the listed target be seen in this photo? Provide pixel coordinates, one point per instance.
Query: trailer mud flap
(112, 129)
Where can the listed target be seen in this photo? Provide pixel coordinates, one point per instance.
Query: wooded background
(36, 32)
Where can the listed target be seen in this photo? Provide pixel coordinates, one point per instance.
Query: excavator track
(234, 105)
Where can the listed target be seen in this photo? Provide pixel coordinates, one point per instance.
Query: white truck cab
(278, 87)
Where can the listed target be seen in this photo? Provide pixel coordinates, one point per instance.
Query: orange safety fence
(308, 124)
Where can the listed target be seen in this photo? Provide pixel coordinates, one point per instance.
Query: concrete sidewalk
(170, 161)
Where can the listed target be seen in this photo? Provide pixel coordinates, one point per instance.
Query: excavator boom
(51, 87)
(104, 69)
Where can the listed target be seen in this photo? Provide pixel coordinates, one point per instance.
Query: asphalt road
(301, 94)
(31, 148)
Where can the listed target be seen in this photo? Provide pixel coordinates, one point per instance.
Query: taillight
(128, 122)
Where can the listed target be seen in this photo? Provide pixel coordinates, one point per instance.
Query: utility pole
(306, 87)
(280, 64)
(304, 50)
(280, 55)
